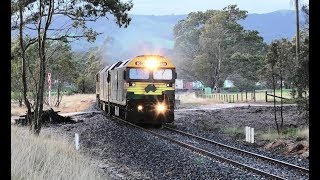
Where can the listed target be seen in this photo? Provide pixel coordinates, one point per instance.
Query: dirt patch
(72, 103)
(289, 147)
(48, 117)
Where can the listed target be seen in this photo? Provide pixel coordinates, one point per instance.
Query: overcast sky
(168, 7)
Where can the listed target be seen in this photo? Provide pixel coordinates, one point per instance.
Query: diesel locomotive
(139, 90)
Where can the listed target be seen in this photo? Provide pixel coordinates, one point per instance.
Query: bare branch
(49, 29)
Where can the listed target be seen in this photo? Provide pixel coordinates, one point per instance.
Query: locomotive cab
(141, 90)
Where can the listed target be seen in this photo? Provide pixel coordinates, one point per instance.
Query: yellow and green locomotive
(139, 90)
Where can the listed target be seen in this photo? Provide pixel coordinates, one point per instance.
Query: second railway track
(259, 164)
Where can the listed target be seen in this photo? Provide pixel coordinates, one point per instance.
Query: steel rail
(305, 170)
(206, 153)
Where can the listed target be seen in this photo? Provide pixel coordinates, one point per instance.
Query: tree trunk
(281, 102)
(59, 96)
(274, 103)
(41, 44)
(83, 87)
(20, 102)
(24, 79)
(216, 75)
(300, 91)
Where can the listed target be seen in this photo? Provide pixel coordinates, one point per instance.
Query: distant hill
(155, 32)
(150, 33)
(274, 25)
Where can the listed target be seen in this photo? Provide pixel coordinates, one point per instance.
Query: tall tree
(207, 41)
(271, 61)
(37, 15)
(186, 45)
(296, 3)
(61, 66)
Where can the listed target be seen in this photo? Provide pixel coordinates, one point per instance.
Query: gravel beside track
(200, 123)
(125, 152)
(249, 160)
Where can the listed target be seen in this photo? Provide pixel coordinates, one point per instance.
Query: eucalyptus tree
(218, 40)
(186, 45)
(37, 17)
(205, 43)
(271, 62)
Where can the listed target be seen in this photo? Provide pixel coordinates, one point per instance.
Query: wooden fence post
(233, 98)
(237, 97)
(246, 96)
(254, 95)
(266, 96)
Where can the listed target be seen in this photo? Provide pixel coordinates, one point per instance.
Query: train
(140, 90)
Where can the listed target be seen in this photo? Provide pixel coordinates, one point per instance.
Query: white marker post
(252, 135)
(249, 134)
(76, 139)
(49, 87)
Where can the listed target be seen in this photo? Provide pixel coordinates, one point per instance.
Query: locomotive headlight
(140, 108)
(152, 64)
(160, 108)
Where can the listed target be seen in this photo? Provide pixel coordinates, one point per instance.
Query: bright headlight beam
(161, 108)
(140, 108)
(152, 63)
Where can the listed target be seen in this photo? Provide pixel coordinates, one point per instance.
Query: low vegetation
(45, 157)
(286, 133)
(233, 130)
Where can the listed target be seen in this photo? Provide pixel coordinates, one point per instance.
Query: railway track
(283, 170)
(272, 160)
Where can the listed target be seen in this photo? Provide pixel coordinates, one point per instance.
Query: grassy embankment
(45, 157)
(271, 134)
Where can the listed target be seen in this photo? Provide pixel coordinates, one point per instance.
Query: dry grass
(190, 98)
(72, 103)
(289, 133)
(233, 130)
(46, 158)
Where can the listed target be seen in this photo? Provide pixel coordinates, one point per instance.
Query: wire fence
(247, 96)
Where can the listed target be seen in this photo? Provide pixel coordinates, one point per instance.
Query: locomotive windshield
(138, 73)
(162, 74)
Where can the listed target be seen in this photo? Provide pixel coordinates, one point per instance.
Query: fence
(248, 96)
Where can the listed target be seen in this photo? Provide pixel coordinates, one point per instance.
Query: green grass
(233, 130)
(286, 133)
